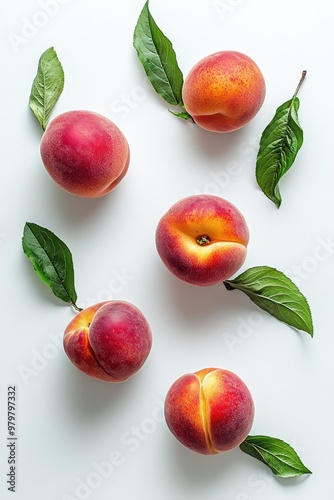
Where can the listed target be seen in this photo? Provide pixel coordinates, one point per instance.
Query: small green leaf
(52, 261)
(279, 456)
(47, 86)
(279, 145)
(158, 58)
(276, 294)
(182, 114)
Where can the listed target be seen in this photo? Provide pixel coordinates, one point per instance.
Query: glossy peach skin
(109, 341)
(209, 411)
(202, 239)
(85, 153)
(224, 91)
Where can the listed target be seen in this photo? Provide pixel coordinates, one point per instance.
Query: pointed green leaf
(181, 114)
(276, 294)
(158, 58)
(47, 86)
(279, 456)
(279, 145)
(52, 261)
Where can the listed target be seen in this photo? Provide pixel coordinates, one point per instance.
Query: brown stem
(78, 309)
(302, 78)
(204, 239)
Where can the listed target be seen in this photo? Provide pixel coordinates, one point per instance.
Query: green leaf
(52, 261)
(279, 145)
(276, 294)
(158, 58)
(279, 456)
(47, 86)
(182, 114)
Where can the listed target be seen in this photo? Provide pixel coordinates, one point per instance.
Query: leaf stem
(76, 307)
(302, 78)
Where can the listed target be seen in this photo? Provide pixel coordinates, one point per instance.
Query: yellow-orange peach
(85, 153)
(209, 411)
(224, 91)
(202, 239)
(109, 341)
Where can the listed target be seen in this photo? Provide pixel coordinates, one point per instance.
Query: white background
(70, 427)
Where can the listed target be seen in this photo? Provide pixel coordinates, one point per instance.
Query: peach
(202, 239)
(109, 341)
(85, 153)
(224, 91)
(209, 411)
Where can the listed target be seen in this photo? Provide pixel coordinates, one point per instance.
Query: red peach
(202, 239)
(209, 411)
(224, 91)
(85, 153)
(109, 341)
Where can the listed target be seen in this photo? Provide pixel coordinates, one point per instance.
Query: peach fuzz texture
(224, 91)
(109, 341)
(209, 411)
(217, 219)
(85, 153)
